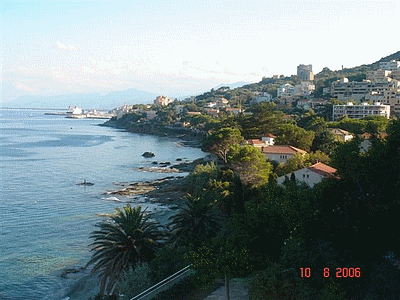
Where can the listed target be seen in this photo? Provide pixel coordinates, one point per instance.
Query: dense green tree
(250, 164)
(361, 207)
(317, 124)
(199, 179)
(120, 243)
(167, 262)
(290, 134)
(221, 141)
(194, 224)
(324, 141)
(227, 257)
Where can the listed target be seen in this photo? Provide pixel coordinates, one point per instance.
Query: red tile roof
(344, 132)
(322, 169)
(381, 135)
(282, 149)
(255, 141)
(270, 135)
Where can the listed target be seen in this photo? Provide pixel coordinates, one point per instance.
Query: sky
(179, 48)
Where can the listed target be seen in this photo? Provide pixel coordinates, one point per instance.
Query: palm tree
(196, 222)
(127, 238)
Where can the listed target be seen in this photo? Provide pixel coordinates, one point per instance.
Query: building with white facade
(344, 90)
(281, 153)
(262, 97)
(310, 175)
(303, 89)
(269, 139)
(341, 135)
(120, 111)
(390, 65)
(378, 75)
(265, 141)
(212, 112)
(395, 74)
(286, 90)
(367, 90)
(360, 111)
(162, 101)
(74, 110)
(221, 102)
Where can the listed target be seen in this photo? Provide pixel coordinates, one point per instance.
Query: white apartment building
(286, 90)
(395, 74)
(262, 97)
(344, 90)
(162, 101)
(364, 91)
(378, 75)
(360, 111)
(119, 112)
(303, 89)
(390, 65)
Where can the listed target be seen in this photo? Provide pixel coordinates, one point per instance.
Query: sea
(45, 217)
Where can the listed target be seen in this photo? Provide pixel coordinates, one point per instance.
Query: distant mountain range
(94, 100)
(86, 101)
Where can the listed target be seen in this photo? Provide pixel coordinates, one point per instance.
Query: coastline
(168, 190)
(186, 136)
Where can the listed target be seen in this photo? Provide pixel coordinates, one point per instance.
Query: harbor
(75, 112)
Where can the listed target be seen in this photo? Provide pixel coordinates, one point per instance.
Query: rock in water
(148, 154)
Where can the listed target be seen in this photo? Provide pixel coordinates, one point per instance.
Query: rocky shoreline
(168, 190)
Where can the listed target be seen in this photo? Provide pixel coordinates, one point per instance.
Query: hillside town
(309, 163)
(376, 96)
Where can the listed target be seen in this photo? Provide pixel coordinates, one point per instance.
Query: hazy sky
(183, 47)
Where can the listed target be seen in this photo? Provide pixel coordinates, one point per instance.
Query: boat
(85, 183)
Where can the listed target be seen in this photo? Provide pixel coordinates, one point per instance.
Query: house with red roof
(366, 140)
(281, 153)
(341, 135)
(268, 139)
(311, 175)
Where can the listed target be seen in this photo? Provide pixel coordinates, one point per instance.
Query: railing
(163, 285)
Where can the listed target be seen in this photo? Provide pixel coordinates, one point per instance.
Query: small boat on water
(85, 183)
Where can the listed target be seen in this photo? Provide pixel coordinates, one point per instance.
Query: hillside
(242, 95)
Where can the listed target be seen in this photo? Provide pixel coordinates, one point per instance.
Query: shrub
(135, 281)
(272, 285)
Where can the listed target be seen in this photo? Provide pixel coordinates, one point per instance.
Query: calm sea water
(45, 217)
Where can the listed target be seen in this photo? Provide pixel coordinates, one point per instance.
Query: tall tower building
(305, 73)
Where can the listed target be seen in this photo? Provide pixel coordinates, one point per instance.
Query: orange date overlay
(340, 272)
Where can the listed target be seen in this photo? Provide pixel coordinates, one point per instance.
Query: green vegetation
(122, 242)
(221, 141)
(235, 221)
(219, 229)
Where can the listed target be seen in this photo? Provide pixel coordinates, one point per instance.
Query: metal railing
(163, 285)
